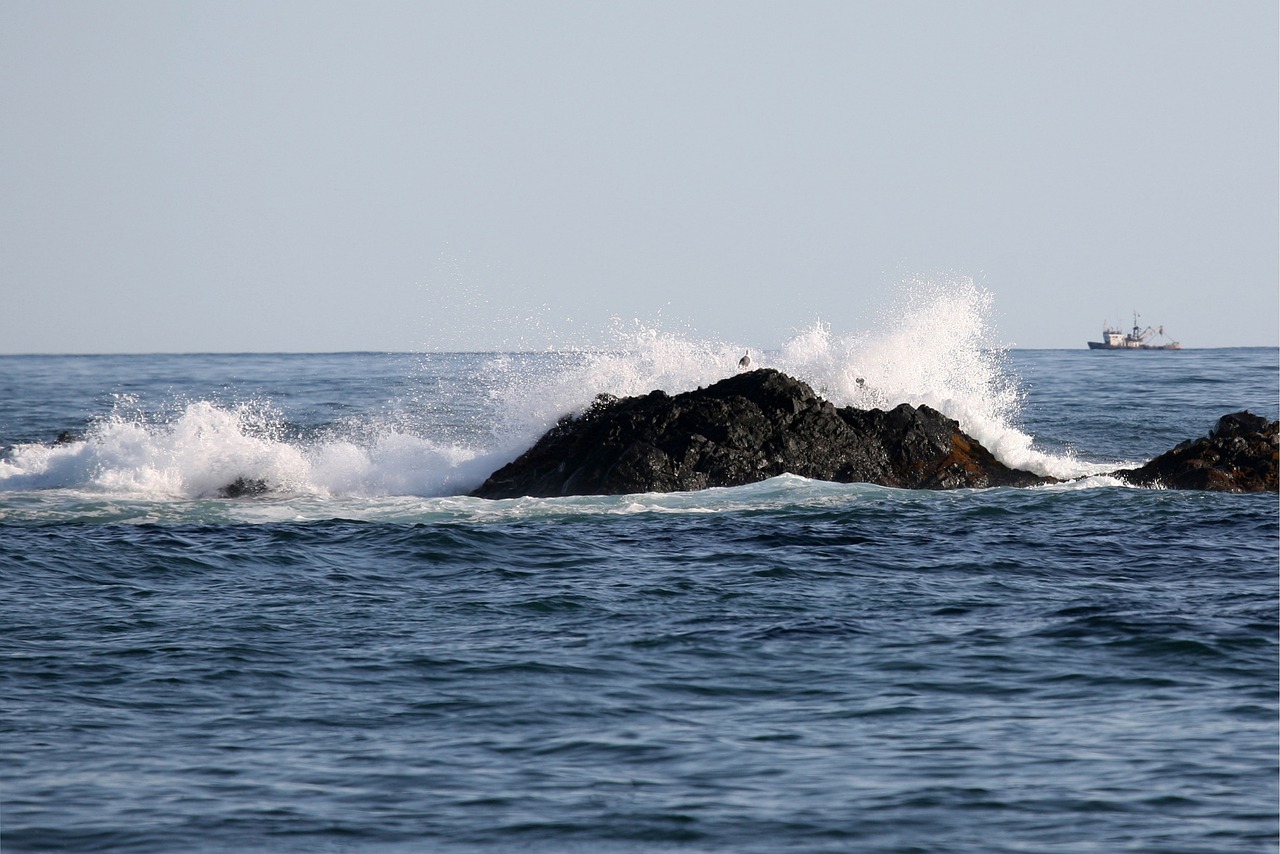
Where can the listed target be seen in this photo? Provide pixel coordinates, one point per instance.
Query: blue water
(364, 659)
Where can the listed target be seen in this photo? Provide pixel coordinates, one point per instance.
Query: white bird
(745, 361)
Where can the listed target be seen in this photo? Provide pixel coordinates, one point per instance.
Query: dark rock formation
(741, 430)
(244, 487)
(1238, 455)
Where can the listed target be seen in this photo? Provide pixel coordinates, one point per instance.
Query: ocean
(362, 658)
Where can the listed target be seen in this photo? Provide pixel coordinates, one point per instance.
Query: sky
(333, 176)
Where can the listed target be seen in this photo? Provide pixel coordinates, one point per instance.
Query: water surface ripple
(873, 671)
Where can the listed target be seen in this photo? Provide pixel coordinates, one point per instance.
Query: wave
(206, 448)
(934, 346)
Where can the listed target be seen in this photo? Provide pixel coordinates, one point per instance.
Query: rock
(244, 487)
(744, 429)
(1238, 455)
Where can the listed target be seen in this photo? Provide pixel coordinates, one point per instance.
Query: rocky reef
(741, 430)
(763, 423)
(1239, 455)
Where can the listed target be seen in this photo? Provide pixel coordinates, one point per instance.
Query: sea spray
(202, 448)
(934, 345)
(532, 395)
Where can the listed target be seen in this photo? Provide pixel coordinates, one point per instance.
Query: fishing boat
(1118, 339)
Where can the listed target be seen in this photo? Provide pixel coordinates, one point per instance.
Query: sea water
(362, 658)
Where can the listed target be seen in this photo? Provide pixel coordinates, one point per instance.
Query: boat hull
(1099, 345)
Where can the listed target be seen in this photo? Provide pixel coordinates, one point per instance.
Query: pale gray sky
(249, 176)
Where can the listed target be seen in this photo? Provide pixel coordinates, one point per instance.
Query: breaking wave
(935, 346)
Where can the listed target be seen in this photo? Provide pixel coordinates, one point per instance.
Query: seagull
(745, 361)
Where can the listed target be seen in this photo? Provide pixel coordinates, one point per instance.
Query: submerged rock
(1238, 455)
(244, 487)
(744, 429)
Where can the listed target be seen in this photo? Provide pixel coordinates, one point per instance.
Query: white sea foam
(205, 448)
(935, 345)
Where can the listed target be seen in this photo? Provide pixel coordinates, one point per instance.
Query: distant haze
(321, 176)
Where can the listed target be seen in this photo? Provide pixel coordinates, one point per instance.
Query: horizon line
(486, 351)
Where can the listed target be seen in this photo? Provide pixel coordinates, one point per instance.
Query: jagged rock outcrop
(741, 430)
(1238, 455)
